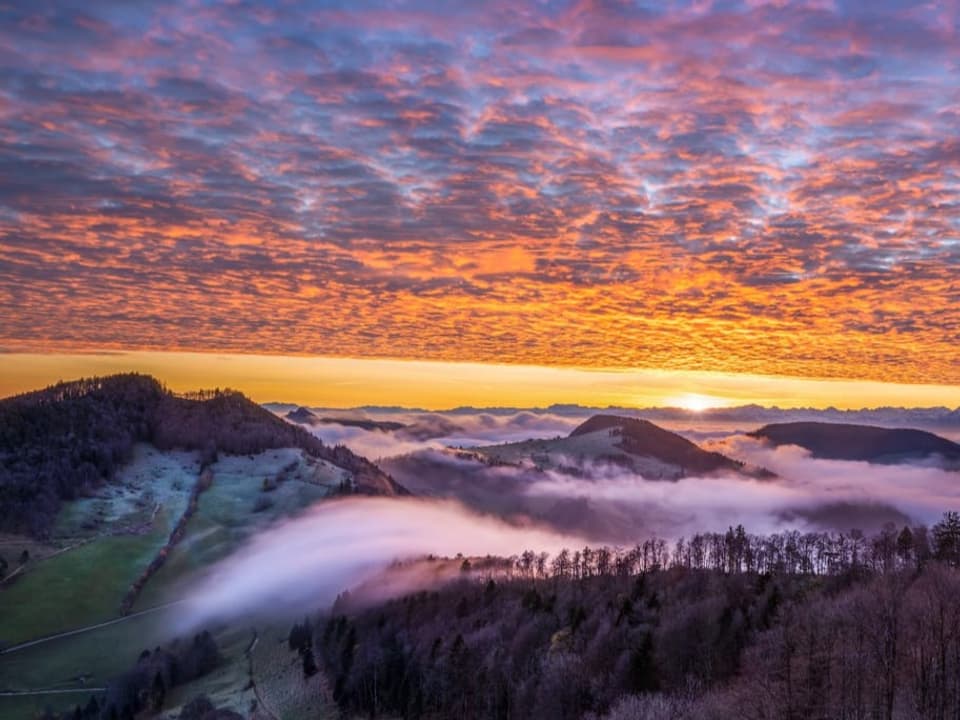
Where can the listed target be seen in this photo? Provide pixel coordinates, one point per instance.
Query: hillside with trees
(63, 442)
(844, 441)
(643, 438)
(724, 625)
(632, 444)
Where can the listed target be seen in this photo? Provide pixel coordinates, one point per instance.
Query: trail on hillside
(20, 693)
(253, 677)
(77, 631)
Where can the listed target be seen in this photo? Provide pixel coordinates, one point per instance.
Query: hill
(635, 444)
(305, 416)
(601, 634)
(644, 439)
(841, 441)
(62, 442)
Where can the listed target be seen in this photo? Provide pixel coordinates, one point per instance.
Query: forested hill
(641, 437)
(60, 442)
(842, 441)
(787, 626)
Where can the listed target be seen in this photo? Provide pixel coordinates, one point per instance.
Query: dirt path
(253, 679)
(18, 693)
(48, 638)
(22, 569)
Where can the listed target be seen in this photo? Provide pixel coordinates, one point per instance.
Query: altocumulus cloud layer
(754, 186)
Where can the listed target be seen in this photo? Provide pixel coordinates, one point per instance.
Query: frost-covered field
(151, 481)
(248, 493)
(104, 542)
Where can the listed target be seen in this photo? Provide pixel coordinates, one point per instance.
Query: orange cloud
(768, 189)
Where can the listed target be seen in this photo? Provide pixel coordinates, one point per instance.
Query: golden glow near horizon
(697, 402)
(350, 382)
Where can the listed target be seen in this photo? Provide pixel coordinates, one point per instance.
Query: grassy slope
(98, 655)
(225, 516)
(278, 672)
(85, 585)
(80, 587)
(227, 685)
(151, 478)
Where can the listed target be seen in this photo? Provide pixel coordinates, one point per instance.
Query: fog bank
(302, 564)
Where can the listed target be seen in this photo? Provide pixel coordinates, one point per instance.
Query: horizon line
(342, 382)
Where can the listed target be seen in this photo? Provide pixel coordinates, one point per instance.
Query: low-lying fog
(609, 504)
(466, 506)
(307, 561)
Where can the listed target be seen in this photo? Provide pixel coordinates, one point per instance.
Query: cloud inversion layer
(764, 187)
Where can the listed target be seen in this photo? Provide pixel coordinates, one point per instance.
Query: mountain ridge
(65, 440)
(645, 439)
(632, 443)
(750, 413)
(870, 443)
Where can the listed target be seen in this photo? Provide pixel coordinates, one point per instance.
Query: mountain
(641, 438)
(841, 441)
(934, 417)
(635, 444)
(62, 442)
(305, 416)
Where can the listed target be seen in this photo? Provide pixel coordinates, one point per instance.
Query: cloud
(607, 503)
(433, 431)
(374, 444)
(591, 184)
(921, 491)
(304, 563)
(469, 507)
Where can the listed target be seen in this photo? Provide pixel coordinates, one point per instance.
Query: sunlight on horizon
(697, 402)
(436, 385)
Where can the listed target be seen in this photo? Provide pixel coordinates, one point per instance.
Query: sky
(701, 189)
(441, 385)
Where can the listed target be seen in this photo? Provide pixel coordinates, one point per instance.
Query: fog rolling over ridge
(610, 503)
(472, 506)
(303, 563)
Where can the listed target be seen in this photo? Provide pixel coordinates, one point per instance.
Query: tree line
(788, 626)
(736, 550)
(142, 690)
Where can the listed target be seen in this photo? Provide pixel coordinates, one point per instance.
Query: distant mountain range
(746, 414)
(843, 441)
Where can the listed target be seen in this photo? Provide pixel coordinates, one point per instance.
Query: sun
(695, 402)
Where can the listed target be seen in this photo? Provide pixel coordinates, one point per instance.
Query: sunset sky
(584, 201)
